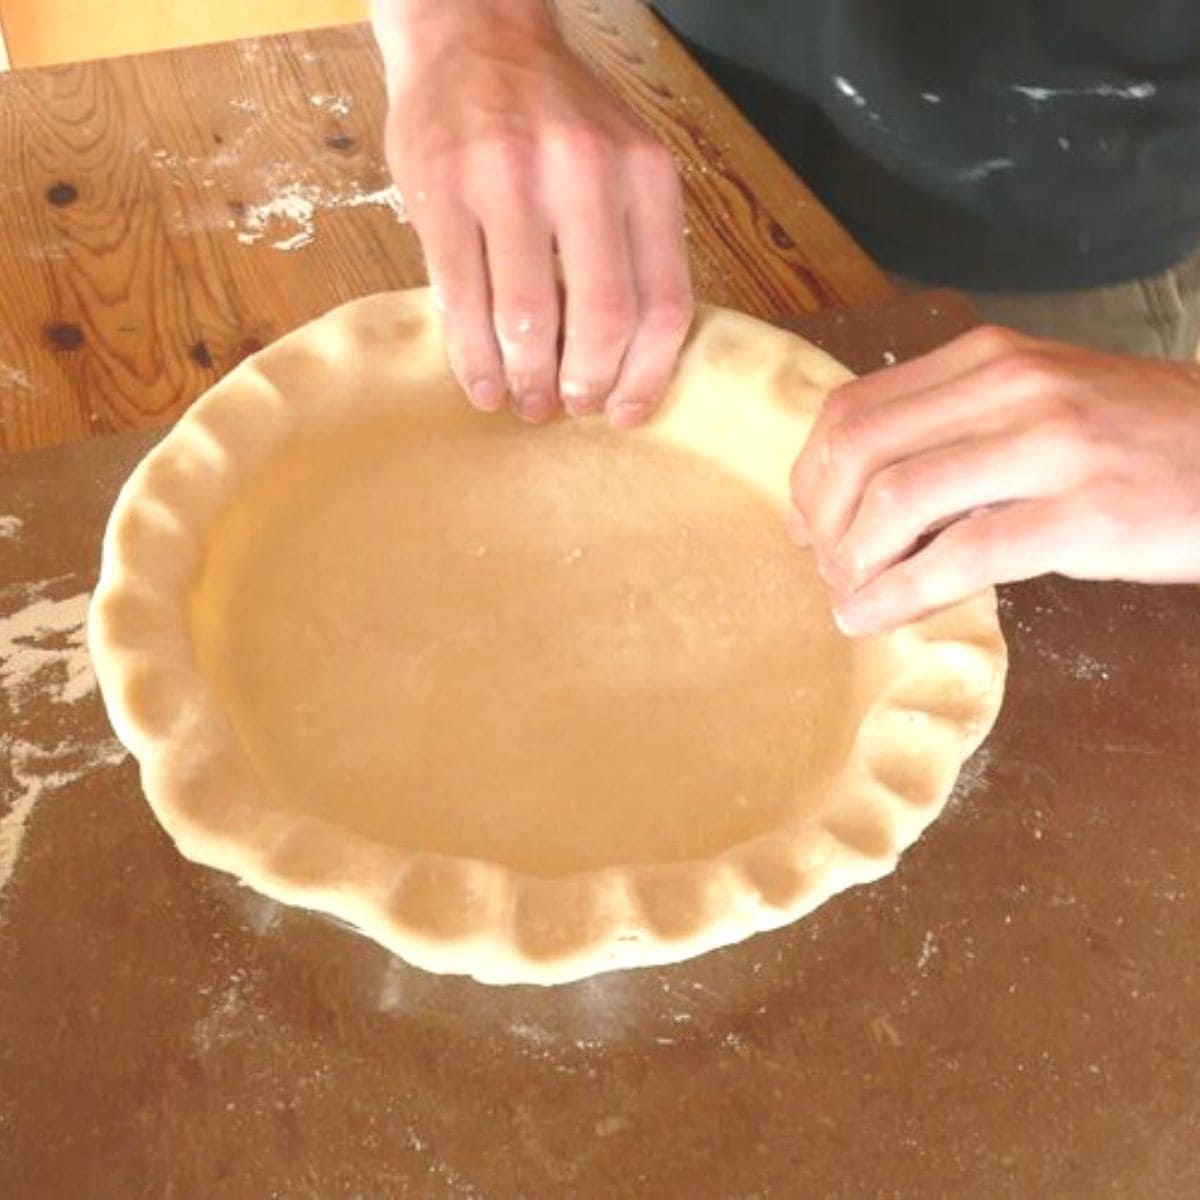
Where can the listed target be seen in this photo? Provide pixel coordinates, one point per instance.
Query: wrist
(413, 32)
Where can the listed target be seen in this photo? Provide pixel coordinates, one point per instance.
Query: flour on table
(10, 528)
(43, 658)
(335, 106)
(42, 648)
(288, 217)
(11, 378)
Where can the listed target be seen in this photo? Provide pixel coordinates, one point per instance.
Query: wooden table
(163, 216)
(1012, 1013)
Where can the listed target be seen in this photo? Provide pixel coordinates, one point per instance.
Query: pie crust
(520, 703)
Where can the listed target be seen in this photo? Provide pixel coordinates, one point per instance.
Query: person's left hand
(996, 458)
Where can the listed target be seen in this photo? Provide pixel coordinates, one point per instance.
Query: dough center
(556, 649)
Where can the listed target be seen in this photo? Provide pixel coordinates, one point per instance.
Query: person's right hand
(506, 150)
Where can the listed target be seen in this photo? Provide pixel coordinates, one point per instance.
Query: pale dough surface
(520, 703)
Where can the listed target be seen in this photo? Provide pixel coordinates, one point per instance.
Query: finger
(908, 499)
(505, 191)
(601, 308)
(454, 254)
(663, 285)
(996, 546)
(851, 407)
(857, 444)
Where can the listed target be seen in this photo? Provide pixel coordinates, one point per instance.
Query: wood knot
(64, 335)
(781, 237)
(61, 194)
(340, 141)
(202, 356)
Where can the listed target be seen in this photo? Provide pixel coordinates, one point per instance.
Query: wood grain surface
(161, 217)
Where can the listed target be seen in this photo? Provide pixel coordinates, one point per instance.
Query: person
(1044, 157)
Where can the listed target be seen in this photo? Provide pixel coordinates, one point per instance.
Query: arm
(508, 151)
(997, 458)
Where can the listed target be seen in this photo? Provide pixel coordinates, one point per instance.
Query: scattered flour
(929, 948)
(37, 772)
(288, 218)
(281, 199)
(335, 106)
(42, 649)
(973, 777)
(10, 527)
(42, 655)
(10, 377)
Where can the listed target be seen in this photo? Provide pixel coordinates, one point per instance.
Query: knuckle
(609, 318)
(1066, 427)
(995, 340)
(526, 319)
(1025, 370)
(838, 404)
(888, 492)
(670, 313)
(587, 148)
(843, 441)
(503, 163)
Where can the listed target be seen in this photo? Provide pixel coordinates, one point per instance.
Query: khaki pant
(1157, 317)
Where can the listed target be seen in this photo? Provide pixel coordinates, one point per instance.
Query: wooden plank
(165, 215)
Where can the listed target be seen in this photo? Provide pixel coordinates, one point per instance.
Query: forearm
(410, 32)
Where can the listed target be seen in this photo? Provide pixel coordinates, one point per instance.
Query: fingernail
(487, 395)
(533, 406)
(853, 617)
(578, 399)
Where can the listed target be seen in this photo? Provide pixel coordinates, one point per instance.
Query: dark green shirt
(989, 144)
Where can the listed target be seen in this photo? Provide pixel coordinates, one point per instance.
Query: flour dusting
(43, 657)
(335, 106)
(10, 377)
(36, 773)
(288, 218)
(10, 527)
(42, 649)
(973, 777)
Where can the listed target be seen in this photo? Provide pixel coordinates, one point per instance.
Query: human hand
(996, 458)
(505, 149)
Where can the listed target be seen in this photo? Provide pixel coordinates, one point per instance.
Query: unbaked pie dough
(520, 703)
